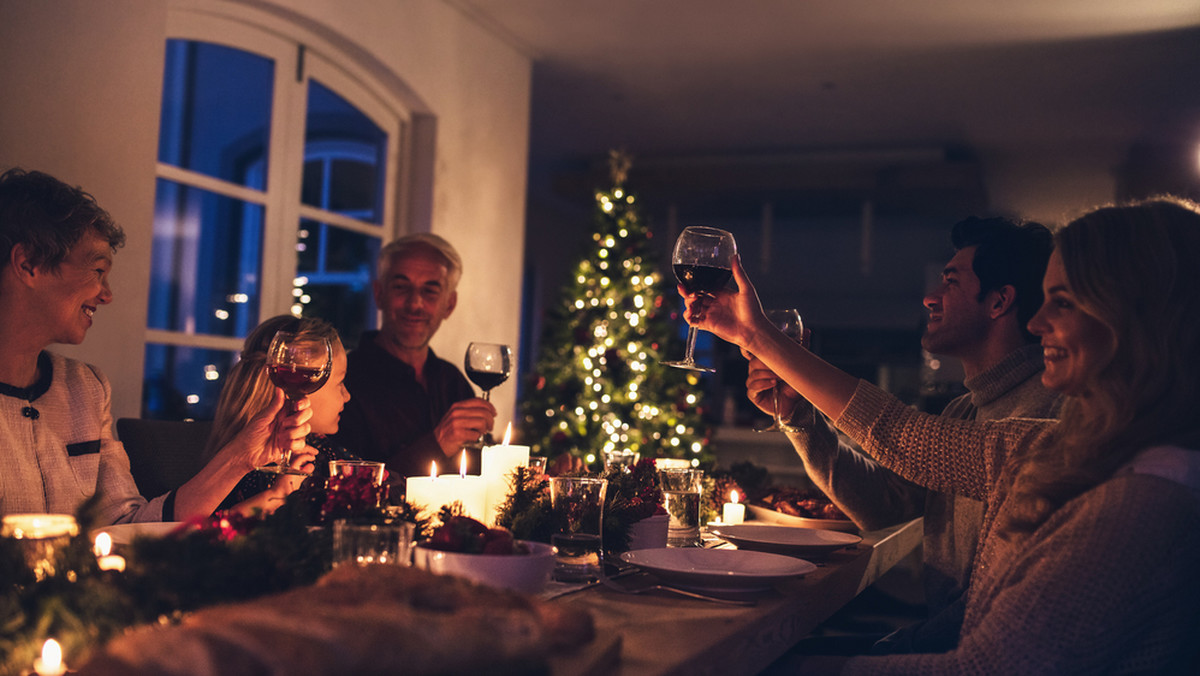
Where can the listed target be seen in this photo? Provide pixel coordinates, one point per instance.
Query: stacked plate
(790, 540)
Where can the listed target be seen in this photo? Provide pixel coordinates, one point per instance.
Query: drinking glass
(703, 263)
(578, 550)
(372, 543)
(681, 498)
(789, 322)
(488, 365)
(298, 364)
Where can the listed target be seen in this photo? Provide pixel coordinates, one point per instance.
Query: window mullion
(284, 182)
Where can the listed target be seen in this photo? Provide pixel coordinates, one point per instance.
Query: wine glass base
(689, 365)
(276, 469)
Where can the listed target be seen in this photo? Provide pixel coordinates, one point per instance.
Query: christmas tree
(599, 384)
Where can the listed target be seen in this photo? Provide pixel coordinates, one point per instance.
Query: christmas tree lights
(599, 385)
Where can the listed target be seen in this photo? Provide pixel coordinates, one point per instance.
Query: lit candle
(733, 512)
(498, 464)
(432, 492)
(51, 661)
(104, 558)
(40, 537)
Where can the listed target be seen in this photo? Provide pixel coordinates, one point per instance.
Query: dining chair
(163, 454)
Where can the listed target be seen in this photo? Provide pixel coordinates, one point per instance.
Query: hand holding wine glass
(792, 326)
(488, 365)
(703, 263)
(299, 365)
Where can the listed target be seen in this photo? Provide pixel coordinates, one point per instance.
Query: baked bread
(372, 620)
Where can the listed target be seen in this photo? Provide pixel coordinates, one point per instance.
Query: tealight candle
(40, 537)
(498, 464)
(733, 512)
(434, 491)
(51, 661)
(105, 559)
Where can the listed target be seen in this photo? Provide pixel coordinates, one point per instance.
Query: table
(660, 634)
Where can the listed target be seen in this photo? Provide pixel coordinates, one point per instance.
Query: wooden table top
(660, 634)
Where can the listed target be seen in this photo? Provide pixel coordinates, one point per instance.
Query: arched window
(277, 185)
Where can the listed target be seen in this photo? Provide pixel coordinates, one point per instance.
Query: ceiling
(715, 78)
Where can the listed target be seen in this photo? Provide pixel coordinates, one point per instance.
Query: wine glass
(703, 263)
(488, 365)
(299, 365)
(789, 322)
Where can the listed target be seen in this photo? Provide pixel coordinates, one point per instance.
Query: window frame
(299, 56)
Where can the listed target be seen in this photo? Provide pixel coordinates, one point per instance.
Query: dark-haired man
(978, 314)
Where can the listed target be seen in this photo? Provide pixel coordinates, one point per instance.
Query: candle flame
(508, 433)
(433, 470)
(103, 544)
(51, 655)
(462, 465)
(733, 497)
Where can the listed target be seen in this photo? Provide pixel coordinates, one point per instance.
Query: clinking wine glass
(703, 263)
(488, 365)
(299, 365)
(789, 322)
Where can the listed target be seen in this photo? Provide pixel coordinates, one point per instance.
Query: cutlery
(611, 584)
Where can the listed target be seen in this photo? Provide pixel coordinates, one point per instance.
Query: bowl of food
(489, 556)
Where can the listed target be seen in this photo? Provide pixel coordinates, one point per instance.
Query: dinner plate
(124, 533)
(717, 569)
(785, 539)
(771, 516)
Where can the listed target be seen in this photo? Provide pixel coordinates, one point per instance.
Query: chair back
(163, 454)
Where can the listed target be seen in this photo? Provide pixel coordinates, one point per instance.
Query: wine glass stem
(691, 345)
(775, 406)
(487, 395)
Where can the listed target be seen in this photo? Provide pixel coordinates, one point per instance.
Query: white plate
(124, 533)
(785, 539)
(771, 516)
(717, 569)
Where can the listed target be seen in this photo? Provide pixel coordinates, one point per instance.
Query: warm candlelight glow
(462, 465)
(104, 558)
(508, 434)
(51, 661)
(733, 513)
(433, 470)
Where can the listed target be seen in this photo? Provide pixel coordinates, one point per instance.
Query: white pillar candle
(498, 463)
(733, 512)
(433, 492)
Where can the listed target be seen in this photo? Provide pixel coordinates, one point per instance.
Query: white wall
(79, 98)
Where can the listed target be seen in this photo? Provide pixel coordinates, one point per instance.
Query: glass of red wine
(298, 364)
(703, 263)
(488, 365)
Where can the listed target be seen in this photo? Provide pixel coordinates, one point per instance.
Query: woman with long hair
(249, 389)
(1091, 538)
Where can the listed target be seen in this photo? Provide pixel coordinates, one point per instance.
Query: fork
(607, 582)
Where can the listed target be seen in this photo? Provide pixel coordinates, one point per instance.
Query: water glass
(372, 543)
(537, 465)
(681, 490)
(579, 501)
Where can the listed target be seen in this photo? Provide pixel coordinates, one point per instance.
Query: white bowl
(526, 573)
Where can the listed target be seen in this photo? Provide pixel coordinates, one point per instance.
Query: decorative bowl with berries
(466, 548)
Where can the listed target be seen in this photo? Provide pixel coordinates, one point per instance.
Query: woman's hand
(734, 316)
(760, 388)
(276, 428)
